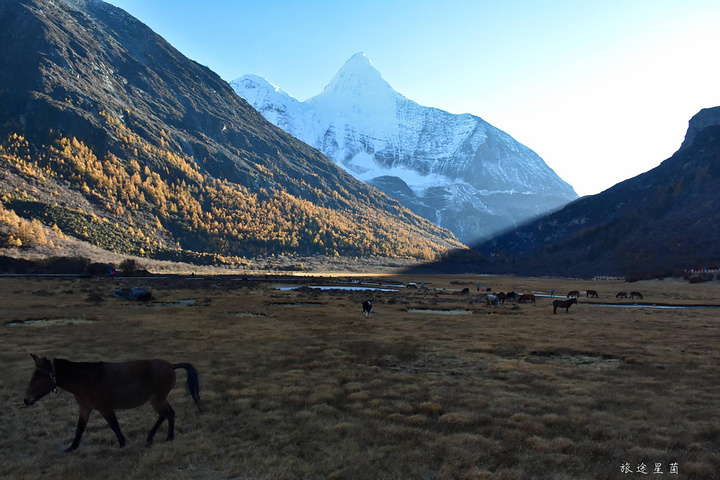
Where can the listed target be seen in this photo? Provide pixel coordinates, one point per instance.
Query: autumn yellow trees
(160, 199)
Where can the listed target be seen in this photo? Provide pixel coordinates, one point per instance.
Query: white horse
(492, 300)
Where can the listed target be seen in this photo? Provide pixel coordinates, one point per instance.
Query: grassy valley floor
(297, 383)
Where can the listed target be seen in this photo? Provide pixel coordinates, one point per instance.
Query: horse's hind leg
(171, 422)
(154, 429)
(164, 411)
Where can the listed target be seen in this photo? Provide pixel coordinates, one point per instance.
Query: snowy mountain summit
(456, 170)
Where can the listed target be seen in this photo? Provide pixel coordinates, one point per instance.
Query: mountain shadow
(655, 224)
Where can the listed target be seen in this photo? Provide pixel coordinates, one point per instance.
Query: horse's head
(42, 381)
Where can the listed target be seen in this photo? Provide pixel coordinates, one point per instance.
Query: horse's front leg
(111, 419)
(82, 422)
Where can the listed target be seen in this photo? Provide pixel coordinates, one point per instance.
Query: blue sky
(601, 90)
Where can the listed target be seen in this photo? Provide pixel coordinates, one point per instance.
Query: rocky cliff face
(456, 170)
(704, 118)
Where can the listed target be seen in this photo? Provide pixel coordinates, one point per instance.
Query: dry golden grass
(299, 384)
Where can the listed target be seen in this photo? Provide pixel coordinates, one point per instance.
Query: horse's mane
(83, 370)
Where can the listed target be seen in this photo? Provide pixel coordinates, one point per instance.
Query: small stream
(655, 306)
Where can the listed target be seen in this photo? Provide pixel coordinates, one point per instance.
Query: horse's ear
(38, 362)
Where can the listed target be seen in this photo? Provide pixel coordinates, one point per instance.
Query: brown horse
(527, 298)
(105, 386)
(592, 293)
(573, 293)
(563, 304)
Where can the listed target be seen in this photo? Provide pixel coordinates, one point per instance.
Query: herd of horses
(632, 295)
(501, 298)
(593, 293)
(573, 295)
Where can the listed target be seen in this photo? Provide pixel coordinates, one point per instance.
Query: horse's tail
(193, 382)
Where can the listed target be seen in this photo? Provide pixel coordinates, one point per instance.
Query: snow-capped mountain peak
(355, 79)
(258, 88)
(271, 100)
(456, 170)
(375, 114)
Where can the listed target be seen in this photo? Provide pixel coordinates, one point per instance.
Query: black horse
(563, 304)
(367, 308)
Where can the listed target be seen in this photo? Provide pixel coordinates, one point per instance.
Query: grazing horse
(592, 293)
(636, 295)
(511, 296)
(492, 300)
(105, 386)
(621, 295)
(527, 298)
(573, 293)
(367, 308)
(563, 304)
(502, 296)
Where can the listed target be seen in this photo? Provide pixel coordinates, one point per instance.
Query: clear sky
(601, 90)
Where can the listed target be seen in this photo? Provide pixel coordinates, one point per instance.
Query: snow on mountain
(457, 170)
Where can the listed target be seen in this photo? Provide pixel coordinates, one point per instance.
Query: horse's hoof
(71, 448)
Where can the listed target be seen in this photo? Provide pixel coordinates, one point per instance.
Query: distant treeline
(69, 266)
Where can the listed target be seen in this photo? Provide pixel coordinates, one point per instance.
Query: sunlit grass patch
(553, 420)
(326, 396)
(457, 419)
(362, 396)
(552, 445)
(415, 420)
(430, 408)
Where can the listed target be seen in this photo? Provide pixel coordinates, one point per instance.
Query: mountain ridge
(102, 118)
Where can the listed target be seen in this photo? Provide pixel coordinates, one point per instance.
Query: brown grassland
(435, 385)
